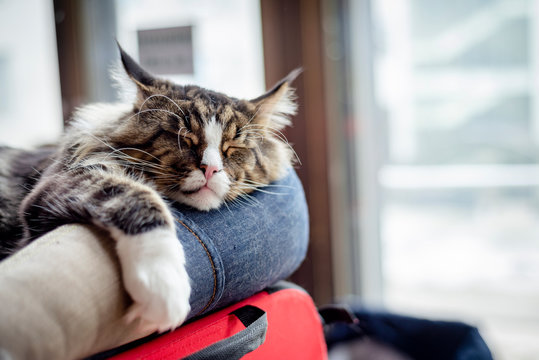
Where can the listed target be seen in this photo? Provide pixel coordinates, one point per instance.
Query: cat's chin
(204, 199)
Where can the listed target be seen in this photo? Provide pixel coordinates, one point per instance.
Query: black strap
(256, 325)
(337, 314)
(339, 320)
(248, 314)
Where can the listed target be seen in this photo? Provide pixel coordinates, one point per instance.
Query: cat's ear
(136, 73)
(277, 105)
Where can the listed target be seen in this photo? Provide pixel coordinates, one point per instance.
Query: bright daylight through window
(457, 91)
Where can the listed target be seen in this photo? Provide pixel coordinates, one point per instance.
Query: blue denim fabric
(240, 249)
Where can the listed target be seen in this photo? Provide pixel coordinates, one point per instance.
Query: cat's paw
(153, 271)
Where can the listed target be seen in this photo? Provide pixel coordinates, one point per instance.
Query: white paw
(153, 271)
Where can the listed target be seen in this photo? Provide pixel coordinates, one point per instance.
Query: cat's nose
(209, 170)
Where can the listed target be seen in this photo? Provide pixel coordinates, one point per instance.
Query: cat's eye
(188, 143)
(188, 139)
(238, 133)
(230, 150)
(230, 147)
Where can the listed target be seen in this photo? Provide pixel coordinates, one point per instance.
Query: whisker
(254, 115)
(242, 198)
(130, 160)
(150, 110)
(261, 190)
(249, 181)
(166, 97)
(227, 207)
(142, 151)
(260, 129)
(251, 201)
(179, 134)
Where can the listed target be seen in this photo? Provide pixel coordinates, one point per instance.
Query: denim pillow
(240, 249)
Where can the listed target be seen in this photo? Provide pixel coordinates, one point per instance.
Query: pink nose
(209, 170)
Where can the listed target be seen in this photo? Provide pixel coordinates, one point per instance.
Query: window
(222, 61)
(456, 147)
(30, 100)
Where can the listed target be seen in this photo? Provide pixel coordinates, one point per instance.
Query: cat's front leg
(153, 272)
(152, 258)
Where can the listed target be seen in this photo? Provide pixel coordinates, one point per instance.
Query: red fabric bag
(278, 323)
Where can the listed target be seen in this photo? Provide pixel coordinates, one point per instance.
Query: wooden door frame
(293, 36)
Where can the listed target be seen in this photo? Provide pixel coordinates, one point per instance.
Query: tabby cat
(119, 165)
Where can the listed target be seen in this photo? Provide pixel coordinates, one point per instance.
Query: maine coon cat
(119, 165)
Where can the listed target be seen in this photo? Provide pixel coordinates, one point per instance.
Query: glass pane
(455, 80)
(457, 92)
(30, 99)
(221, 61)
(467, 254)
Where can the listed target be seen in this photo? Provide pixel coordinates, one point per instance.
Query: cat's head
(201, 147)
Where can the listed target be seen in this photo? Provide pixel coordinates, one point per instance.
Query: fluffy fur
(118, 165)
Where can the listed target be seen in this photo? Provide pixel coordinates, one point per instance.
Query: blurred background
(418, 130)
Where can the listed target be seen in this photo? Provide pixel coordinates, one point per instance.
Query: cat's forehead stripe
(213, 132)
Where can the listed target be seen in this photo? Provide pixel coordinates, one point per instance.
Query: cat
(118, 166)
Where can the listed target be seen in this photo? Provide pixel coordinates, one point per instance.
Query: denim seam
(211, 263)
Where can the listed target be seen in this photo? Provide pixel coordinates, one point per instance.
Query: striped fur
(118, 166)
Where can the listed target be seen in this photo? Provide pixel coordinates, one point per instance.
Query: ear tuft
(140, 76)
(278, 104)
